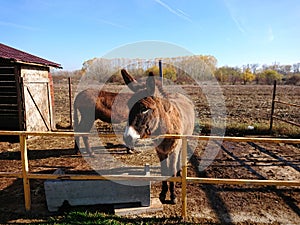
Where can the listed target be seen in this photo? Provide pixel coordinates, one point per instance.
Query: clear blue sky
(236, 32)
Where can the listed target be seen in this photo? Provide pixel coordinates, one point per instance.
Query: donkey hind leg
(85, 125)
(87, 145)
(75, 126)
(77, 146)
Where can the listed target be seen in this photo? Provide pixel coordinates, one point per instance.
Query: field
(246, 106)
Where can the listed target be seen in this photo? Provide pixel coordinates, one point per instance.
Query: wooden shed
(26, 91)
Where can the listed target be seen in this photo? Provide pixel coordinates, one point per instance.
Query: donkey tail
(75, 125)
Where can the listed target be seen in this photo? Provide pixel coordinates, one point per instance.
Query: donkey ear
(150, 84)
(130, 81)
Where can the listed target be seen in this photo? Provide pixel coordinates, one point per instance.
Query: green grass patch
(280, 129)
(87, 217)
(284, 129)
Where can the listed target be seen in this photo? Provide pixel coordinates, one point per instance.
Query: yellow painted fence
(184, 179)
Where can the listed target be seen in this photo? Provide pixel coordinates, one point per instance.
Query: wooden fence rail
(184, 179)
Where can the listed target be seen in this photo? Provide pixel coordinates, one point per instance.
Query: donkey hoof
(130, 151)
(173, 201)
(77, 152)
(91, 154)
(162, 198)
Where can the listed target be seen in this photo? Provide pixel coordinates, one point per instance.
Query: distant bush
(268, 76)
(293, 80)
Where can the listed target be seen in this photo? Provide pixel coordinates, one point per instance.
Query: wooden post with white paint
(25, 171)
(184, 178)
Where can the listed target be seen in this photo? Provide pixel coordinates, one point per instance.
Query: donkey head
(144, 110)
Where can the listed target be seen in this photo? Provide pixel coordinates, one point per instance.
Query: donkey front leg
(163, 193)
(172, 193)
(173, 168)
(164, 172)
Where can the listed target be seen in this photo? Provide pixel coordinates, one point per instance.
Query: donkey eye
(145, 110)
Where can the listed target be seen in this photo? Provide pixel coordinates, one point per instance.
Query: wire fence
(273, 116)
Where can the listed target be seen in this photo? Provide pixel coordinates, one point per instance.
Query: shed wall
(26, 97)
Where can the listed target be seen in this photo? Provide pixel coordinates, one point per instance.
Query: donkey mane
(159, 85)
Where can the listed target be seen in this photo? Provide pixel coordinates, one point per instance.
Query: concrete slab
(93, 192)
(155, 206)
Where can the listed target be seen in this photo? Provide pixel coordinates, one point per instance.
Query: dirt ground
(206, 203)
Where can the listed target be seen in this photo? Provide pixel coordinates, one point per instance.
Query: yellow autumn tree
(169, 72)
(247, 76)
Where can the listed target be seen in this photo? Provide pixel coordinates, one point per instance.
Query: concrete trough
(93, 192)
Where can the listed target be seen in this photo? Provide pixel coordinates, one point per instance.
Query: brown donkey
(153, 112)
(94, 104)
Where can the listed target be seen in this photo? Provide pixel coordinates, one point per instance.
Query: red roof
(7, 52)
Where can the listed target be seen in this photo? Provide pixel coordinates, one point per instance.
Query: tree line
(256, 74)
(185, 69)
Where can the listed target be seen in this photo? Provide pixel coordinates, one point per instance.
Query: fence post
(183, 178)
(160, 71)
(273, 107)
(25, 170)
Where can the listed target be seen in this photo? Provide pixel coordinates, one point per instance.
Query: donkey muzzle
(130, 136)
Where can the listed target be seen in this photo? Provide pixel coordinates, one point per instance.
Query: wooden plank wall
(9, 111)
